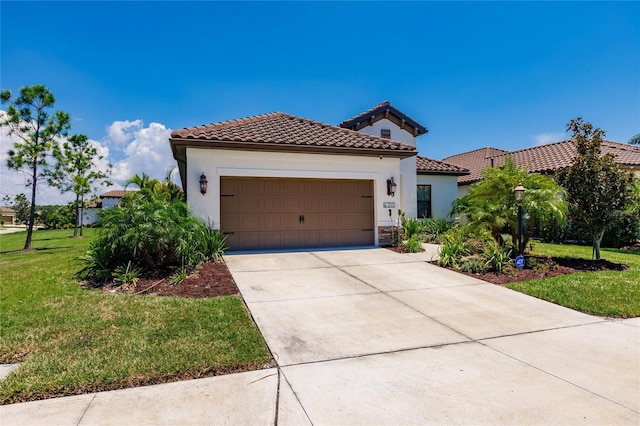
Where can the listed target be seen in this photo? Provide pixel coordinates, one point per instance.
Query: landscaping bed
(547, 267)
(211, 280)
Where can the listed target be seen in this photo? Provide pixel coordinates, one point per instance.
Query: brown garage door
(266, 213)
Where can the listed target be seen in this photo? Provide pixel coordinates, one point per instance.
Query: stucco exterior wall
(89, 216)
(444, 189)
(407, 186)
(397, 134)
(109, 202)
(217, 163)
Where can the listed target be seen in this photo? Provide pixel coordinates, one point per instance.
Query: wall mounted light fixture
(391, 186)
(203, 184)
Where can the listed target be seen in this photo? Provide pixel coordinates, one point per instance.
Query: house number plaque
(389, 204)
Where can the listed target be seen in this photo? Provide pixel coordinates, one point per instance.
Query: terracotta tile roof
(540, 159)
(474, 161)
(378, 111)
(285, 132)
(428, 166)
(116, 193)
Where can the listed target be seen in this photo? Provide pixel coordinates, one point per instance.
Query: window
(385, 133)
(424, 201)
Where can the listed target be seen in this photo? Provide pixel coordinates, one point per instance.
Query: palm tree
(491, 204)
(153, 189)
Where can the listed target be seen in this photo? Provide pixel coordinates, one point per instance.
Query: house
(545, 159)
(8, 216)
(281, 181)
(106, 201)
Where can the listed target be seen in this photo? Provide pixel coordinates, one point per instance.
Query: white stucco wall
(407, 186)
(397, 134)
(444, 189)
(463, 190)
(89, 216)
(109, 202)
(217, 163)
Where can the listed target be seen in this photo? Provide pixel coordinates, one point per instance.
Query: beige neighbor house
(279, 181)
(8, 216)
(539, 159)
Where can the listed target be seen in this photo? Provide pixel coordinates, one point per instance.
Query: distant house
(546, 158)
(281, 181)
(105, 201)
(8, 216)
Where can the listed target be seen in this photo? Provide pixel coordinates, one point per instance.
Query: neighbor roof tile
(538, 159)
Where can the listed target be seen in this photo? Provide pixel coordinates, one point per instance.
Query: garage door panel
(263, 213)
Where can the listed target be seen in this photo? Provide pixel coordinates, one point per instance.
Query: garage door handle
(301, 218)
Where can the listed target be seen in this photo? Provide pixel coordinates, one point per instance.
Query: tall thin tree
(75, 172)
(28, 119)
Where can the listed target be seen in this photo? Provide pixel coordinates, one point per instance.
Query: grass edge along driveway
(70, 340)
(613, 294)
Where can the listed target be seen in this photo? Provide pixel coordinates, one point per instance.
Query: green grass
(72, 340)
(608, 293)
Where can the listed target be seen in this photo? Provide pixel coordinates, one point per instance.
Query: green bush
(410, 227)
(496, 258)
(154, 235)
(473, 264)
(454, 247)
(434, 228)
(622, 231)
(413, 244)
(472, 250)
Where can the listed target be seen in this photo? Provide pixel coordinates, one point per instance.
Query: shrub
(410, 227)
(434, 228)
(126, 276)
(473, 264)
(152, 235)
(413, 244)
(496, 258)
(454, 247)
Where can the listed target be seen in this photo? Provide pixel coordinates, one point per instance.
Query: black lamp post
(519, 191)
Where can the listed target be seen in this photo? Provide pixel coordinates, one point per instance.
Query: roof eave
(275, 147)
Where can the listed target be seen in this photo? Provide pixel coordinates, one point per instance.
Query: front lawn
(70, 340)
(607, 293)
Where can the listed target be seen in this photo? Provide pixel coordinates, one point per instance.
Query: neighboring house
(105, 201)
(8, 216)
(281, 181)
(539, 159)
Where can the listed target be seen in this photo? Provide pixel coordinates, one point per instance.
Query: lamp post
(519, 192)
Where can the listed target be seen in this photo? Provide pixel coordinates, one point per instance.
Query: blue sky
(503, 74)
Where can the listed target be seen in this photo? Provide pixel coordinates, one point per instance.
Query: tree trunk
(81, 215)
(32, 211)
(597, 239)
(75, 225)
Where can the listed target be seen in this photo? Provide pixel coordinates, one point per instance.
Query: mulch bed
(557, 266)
(211, 280)
(562, 266)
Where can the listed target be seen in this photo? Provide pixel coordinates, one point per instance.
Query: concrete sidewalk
(374, 337)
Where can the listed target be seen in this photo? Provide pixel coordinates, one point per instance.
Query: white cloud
(122, 132)
(545, 138)
(147, 151)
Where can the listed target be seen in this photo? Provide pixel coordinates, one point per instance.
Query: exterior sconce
(203, 184)
(391, 187)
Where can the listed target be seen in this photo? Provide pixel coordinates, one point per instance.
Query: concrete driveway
(374, 337)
